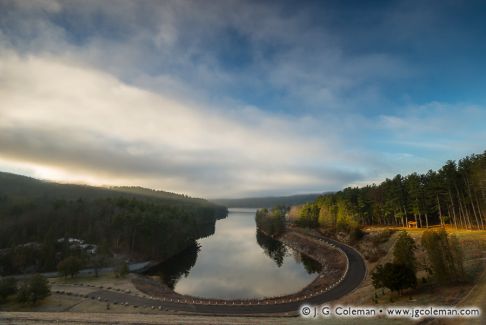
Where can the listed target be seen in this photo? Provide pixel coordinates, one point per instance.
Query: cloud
(232, 50)
(73, 118)
(225, 98)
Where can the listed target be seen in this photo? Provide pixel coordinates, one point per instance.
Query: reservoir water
(237, 261)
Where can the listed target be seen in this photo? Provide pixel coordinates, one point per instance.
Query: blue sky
(239, 98)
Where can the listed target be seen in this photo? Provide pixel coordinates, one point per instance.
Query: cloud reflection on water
(231, 264)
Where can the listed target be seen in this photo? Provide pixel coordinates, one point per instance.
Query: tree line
(34, 215)
(455, 194)
(271, 221)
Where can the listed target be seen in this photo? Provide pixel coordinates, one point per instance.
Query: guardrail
(155, 302)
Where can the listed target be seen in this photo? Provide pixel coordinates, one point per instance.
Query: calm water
(238, 262)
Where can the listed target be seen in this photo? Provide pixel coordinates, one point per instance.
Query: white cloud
(79, 121)
(139, 93)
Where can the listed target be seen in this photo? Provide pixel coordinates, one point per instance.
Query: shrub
(8, 287)
(34, 289)
(356, 234)
(121, 269)
(381, 237)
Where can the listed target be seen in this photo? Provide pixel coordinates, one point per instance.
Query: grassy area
(63, 303)
(108, 280)
(426, 293)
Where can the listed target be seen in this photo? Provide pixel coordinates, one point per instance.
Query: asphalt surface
(132, 267)
(353, 278)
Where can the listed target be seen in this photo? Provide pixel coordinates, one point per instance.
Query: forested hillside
(127, 222)
(267, 202)
(455, 194)
(155, 193)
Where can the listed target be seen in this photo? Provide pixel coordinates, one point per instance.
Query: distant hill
(267, 202)
(155, 193)
(20, 186)
(128, 221)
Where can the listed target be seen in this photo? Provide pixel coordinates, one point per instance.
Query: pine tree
(404, 251)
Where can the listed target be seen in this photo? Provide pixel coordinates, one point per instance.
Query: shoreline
(332, 260)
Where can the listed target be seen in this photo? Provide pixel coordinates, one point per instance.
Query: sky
(230, 98)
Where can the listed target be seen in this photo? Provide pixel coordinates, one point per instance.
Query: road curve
(353, 278)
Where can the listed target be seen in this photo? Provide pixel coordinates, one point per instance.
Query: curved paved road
(353, 278)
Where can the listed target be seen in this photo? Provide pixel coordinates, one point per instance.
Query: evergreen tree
(404, 251)
(395, 277)
(445, 256)
(455, 194)
(121, 269)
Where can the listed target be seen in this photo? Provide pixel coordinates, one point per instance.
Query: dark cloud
(237, 97)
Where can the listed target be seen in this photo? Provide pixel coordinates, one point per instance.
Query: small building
(412, 224)
(75, 243)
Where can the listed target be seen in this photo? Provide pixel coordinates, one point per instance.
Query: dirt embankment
(333, 261)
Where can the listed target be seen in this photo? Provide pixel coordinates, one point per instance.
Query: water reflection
(232, 264)
(273, 248)
(177, 266)
(311, 265)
